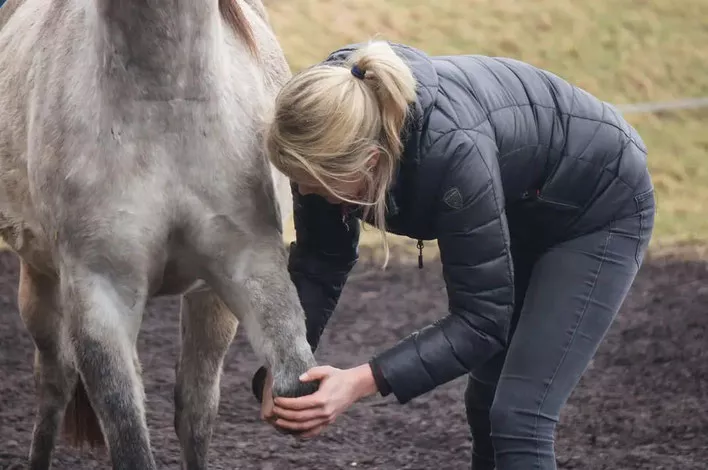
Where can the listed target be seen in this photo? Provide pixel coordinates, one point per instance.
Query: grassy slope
(623, 51)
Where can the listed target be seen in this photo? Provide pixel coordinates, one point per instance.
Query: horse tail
(233, 14)
(81, 424)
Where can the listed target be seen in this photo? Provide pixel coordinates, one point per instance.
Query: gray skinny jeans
(567, 299)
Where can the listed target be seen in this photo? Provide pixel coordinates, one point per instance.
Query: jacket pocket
(556, 203)
(644, 200)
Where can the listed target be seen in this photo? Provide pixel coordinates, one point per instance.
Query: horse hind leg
(55, 375)
(207, 330)
(106, 313)
(81, 425)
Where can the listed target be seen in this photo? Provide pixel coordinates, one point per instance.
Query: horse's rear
(130, 165)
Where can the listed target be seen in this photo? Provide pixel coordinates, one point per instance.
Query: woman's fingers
(301, 425)
(314, 400)
(317, 373)
(301, 415)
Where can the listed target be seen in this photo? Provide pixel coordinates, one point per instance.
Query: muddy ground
(642, 404)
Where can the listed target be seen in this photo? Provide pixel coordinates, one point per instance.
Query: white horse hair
(132, 166)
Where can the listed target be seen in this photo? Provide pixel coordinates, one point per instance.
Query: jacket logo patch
(453, 198)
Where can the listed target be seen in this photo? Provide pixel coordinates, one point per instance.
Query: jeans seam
(568, 344)
(639, 201)
(639, 241)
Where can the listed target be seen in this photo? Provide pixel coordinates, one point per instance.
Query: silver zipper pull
(420, 254)
(344, 218)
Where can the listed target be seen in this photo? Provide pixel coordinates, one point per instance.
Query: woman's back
(556, 144)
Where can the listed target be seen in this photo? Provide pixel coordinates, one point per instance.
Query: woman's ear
(373, 160)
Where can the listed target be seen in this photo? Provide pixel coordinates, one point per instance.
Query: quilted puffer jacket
(496, 150)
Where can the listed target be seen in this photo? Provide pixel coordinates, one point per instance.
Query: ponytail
(393, 85)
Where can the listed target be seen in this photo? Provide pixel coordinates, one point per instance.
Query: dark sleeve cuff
(431, 357)
(402, 370)
(381, 383)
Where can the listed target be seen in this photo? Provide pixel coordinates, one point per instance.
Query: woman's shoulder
(409, 53)
(341, 54)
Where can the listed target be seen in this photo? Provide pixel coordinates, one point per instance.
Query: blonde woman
(539, 197)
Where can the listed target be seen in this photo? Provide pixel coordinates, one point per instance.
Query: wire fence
(657, 106)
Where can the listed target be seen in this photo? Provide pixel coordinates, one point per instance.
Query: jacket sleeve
(473, 239)
(321, 257)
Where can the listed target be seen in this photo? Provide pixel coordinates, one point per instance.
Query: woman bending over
(540, 199)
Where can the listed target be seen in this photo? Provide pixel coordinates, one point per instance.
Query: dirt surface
(642, 404)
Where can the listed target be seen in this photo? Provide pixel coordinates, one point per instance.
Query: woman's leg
(482, 384)
(574, 293)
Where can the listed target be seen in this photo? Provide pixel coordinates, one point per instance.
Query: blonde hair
(331, 119)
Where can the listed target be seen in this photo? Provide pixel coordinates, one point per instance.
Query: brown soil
(642, 404)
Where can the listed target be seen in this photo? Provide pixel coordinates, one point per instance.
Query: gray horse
(132, 166)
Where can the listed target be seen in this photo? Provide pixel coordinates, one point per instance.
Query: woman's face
(355, 190)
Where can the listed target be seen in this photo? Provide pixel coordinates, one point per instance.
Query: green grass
(620, 50)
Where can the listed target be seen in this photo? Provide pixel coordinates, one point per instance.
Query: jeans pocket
(645, 205)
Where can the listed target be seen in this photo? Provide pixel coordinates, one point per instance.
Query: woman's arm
(321, 258)
(474, 246)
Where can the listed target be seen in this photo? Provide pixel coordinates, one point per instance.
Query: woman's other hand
(339, 389)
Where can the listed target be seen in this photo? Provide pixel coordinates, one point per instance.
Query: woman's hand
(267, 404)
(338, 390)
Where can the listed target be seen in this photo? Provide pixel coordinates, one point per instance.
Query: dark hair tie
(357, 72)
